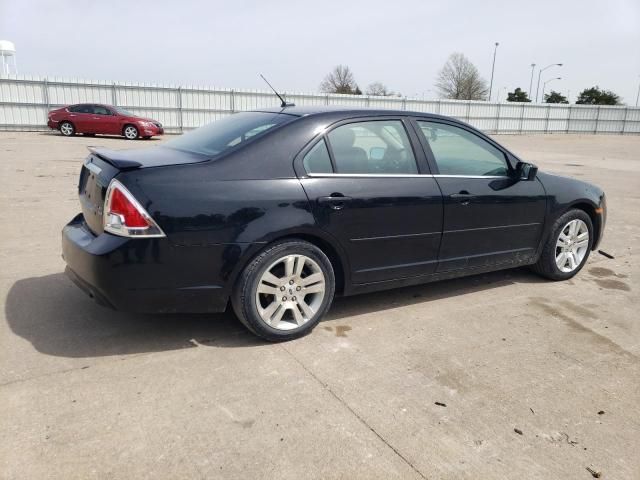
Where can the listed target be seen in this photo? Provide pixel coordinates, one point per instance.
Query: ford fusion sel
(274, 212)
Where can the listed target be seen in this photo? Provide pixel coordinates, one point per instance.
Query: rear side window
(460, 152)
(317, 160)
(376, 147)
(81, 109)
(215, 138)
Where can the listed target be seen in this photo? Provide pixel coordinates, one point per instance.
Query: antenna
(283, 103)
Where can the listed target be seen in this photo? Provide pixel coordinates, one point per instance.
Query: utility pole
(544, 85)
(495, 49)
(540, 74)
(533, 67)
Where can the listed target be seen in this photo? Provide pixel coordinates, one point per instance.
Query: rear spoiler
(111, 157)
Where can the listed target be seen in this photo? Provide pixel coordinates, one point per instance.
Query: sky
(402, 44)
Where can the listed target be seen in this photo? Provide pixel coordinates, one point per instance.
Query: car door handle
(336, 202)
(463, 196)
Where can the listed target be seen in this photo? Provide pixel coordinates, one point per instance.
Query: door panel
(104, 121)
(390, 227)
(492, 221)
(490, 217)
(81, 115)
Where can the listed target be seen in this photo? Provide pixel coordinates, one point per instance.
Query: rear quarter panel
(200, 211)
(224, 223)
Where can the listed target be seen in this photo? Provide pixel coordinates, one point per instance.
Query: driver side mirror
(526, 171)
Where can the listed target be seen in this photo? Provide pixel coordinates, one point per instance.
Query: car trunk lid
(146, 157)
(102, 165)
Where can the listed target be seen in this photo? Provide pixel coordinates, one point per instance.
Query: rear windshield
(233, 130)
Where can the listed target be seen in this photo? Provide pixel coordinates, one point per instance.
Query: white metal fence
(25, 101)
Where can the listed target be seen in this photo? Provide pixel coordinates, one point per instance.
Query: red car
(91, 118)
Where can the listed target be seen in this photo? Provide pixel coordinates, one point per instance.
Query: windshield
(124, 112)
(233, 130)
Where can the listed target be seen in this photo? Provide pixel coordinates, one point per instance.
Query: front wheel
(567, 248)
(285, 291)
(130, 132)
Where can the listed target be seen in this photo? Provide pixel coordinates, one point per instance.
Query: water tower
(8, 51)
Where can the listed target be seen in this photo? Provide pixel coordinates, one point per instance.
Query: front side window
(460, 152)
(100, 110)
(215, 138)
(376, 147)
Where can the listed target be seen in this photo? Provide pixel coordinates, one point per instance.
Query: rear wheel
(285, 291)
(568, 247)
(67, 129)
(130, 132)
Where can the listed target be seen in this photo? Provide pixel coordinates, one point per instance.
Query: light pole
(544, 85)
(540, 74)
(495, 49)
(533, 67)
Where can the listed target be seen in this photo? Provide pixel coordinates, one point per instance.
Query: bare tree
(340, 80)
(379, 89)
(460, 79)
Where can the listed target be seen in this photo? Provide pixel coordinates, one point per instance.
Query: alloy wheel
(131, 132)
(290, 292)
(572, 245)
(66, 129)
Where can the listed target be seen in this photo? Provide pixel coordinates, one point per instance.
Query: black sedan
(276, 211)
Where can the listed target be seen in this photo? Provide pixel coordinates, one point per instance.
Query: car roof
(91, 103)
(305, 111)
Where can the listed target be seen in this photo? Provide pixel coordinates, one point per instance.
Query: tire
(67, 129)
(574, 247)
(308, 269)
(130, 132)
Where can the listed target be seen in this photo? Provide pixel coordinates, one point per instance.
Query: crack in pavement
(354, 413)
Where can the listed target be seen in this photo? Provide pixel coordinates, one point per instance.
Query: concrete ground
(536, 379)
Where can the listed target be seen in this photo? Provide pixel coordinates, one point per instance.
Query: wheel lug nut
(282, 289)
(284, 299)
(290, 282)
(293, 298)
(298, 289)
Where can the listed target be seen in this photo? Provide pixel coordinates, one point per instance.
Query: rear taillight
(124, 216)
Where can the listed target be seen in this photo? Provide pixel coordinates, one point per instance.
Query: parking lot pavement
(532, 379)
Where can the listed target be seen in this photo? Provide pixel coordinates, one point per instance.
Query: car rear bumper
(54, 124)
(141, 275)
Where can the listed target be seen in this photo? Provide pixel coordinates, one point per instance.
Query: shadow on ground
(58, 319)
